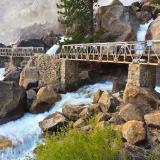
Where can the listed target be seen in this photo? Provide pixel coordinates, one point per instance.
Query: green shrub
(75, 145)
(155, 1)
(156, 154)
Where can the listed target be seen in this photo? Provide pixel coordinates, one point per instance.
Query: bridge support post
(142, 75)
(69, 75)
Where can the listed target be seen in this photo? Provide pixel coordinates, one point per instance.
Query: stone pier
(142, 75)
(69, 74)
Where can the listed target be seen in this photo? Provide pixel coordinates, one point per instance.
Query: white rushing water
(141, 34)
(141, 37)
(53, 50)
(25, 132)
(2, 72)
(108, 2)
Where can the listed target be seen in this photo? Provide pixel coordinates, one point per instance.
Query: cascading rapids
(25, 132)
(141, 37)
(2, 72)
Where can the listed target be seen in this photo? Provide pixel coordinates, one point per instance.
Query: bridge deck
(147, 52)
(20, 51)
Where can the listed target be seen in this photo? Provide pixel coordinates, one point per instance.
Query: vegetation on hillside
(78, 17)
(155, 1)
(100, 144)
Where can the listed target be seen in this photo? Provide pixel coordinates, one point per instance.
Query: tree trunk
(91, 23)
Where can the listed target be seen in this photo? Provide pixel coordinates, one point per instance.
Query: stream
(25, 132)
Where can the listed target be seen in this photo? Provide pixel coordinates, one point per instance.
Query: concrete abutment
(142, 75)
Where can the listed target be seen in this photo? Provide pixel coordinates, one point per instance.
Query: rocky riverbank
(135, 115)
(30, 96)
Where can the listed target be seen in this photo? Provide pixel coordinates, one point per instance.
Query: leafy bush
(75, 145)
(156, 154)
(155, 1)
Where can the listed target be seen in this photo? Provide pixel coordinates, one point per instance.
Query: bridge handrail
(111, 43)
(114, 51)
(20, 51)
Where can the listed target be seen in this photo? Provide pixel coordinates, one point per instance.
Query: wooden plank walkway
(146, 52)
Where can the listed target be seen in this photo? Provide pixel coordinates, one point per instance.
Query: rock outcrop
(33, 19)
(134, 131)
(80, 123)
(53, 123)
(5, 143)
(72, 111)
(31, 96)
(153, 32)
(13, 102)
(29, 77)
(108, 102)
(97, 96)
(45, 98)
(13, 75)
(145, 98)
(153, 119)
(131, 112)
(119, 23)
(103, 117)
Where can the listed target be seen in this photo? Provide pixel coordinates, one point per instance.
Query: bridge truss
(145, 52)
(20, 51)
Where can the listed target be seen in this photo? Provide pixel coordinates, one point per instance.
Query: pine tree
(78, 14)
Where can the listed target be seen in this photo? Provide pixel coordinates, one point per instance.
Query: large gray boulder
(153, 119)
(131, 112)
(53, 123)
(146, 99)
(108, 103)
(13, 75)
(12, 102)
(119, 22)
(29, 77)
(45, 99)
(153, 32)
(72, 111)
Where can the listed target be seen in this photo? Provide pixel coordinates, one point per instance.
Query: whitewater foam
(141, 37)
(25, 132)
(2, 72)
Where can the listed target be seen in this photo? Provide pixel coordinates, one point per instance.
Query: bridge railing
(21, 51)
(119, 52)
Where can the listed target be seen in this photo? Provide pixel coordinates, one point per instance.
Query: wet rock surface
(29, 77)
(131, 112)
(53, 122)
(154, 30)
(13, 75)
(108, 102)
(147, 99)
(72, 111)
(13, 101)
(153, 119)
(5, 143)
(119, 22)
(45, 99)
(134, 131)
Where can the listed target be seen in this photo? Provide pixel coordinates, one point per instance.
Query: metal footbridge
(145, 52)
(20, 51)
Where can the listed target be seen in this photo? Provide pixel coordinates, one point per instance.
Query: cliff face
(27, 18)
(125, 2)
(32, 18)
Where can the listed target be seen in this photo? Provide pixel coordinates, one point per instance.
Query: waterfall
(2, 72)
(141, 34)
(141, 37)
(108, 2)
